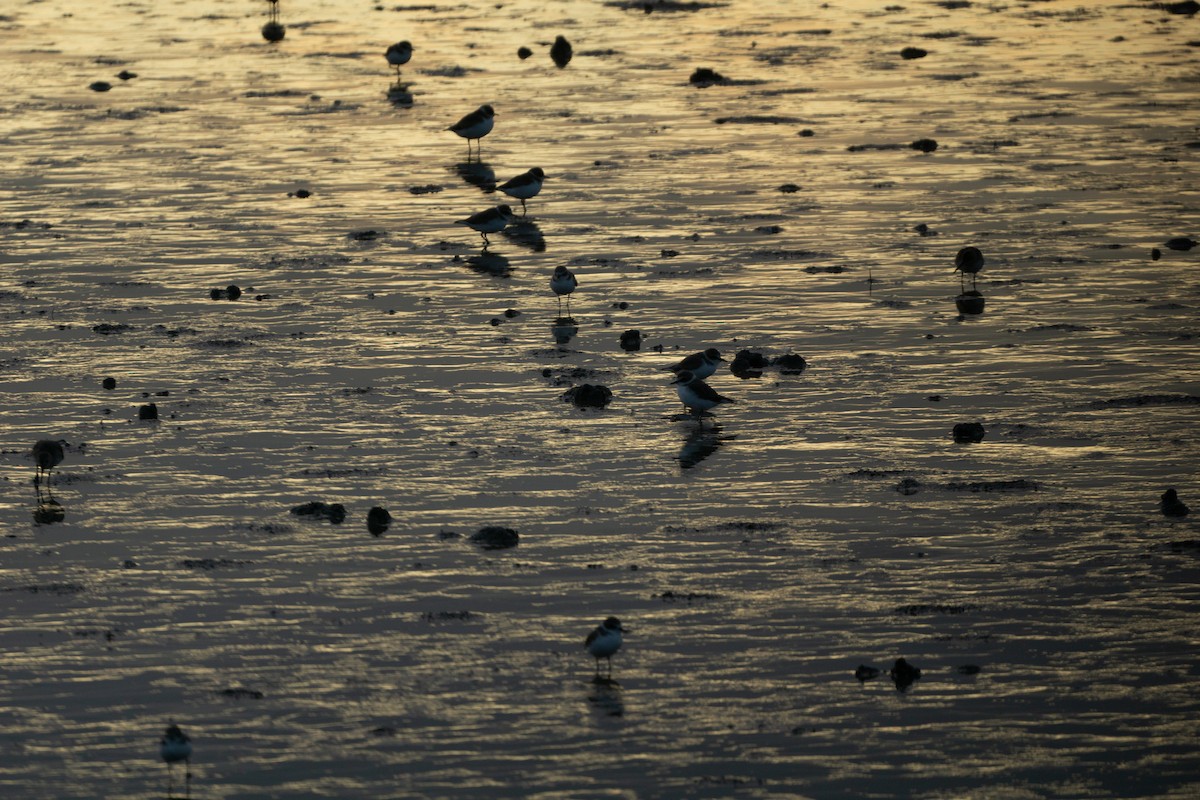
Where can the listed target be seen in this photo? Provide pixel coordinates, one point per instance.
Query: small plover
(48, 454)
(475, 125)
(524, 186)
(697, 395)
(176, 746)
(701, 364)
(491, 220)
(604, 641)
(968, 262)
(563, 282)
(398, 55)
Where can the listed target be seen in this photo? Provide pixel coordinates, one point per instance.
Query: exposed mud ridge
(212, 563)
(239, 693)
(1138, 400)
(921, 609)
(1016, 485)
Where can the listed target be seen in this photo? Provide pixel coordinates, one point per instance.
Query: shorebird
(604, 641)
(563, 282)
(48, 454)
(701, 364)
(398, 55)
(475, 125)
(697, 395)
(968, 262)
(524, 186)
(561, 52)
(491, 220)
(176, 746)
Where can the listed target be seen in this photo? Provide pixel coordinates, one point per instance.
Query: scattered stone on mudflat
(967, 669)
(367, 235)
(788, 188)
(109, 383)
(126, 75)
(230, 292)
(238, 693)
(383, 730)
(903, 674)
(495, 537)
(748, 364)
(908, 486)
(968, 432)
(790, 363)
(588, 395)
(561, 52)
(806, 133)
(1186, 7)
(631, 340)
(1155, 254)
(1017, 485)
(865, 672)
(910, 53)
(148, 411)
(303, 194)
(100, 86)
(1181, 243)
(705, 77)
(1172, 506)
(109, 328)
(524, 53)
(207, 564)
(925, 145)
(334, 512)
(668, 253)
(378, 520)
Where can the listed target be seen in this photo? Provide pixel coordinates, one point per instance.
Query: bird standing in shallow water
(398, 55)
(563, 282)
(604, 641)
(701, 364)
(475, 125)
(524, 186)
(492, 220)
(176, 746)
(47, 454)
(1172, 506)
(697, 395)
(968, 262)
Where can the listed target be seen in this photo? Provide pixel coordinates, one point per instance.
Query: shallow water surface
(758, 558)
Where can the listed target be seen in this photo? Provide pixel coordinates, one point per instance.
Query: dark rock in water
(232, 292)
(302, 193)
(243, 694)
(524, 53)
(365, 235)
(704, 77)
(1181, 243)
(109, 328)
(968, 669)
(807, 132)
(334, 512)
(904, 673)
(495, 537)
(100, 86)
(561, 52)
(908, 486)
(148, 411)
(126, 75)
(748, 364)
(971, 302)
(631, 340)
(1172, 506)
(273, 32)
(1187, 7)
(909, 53)
(378, 520)
(866, 672)
(789, 188)
(1155, 254)
(109, 383)
(790, 363)
(588, 395)
(925, 145)
(968, 432)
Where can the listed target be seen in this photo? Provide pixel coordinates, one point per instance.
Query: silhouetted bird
(398, 55)
(475, 126)
(701, 365)
(968, 262)
(604, 641)
(492, 220)
(697, 395)
(561, 52)
(47, 454)
(1172, 506)
(524, 186)
(563, 282)
(176, 746)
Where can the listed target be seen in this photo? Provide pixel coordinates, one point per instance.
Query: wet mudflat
(827, 519)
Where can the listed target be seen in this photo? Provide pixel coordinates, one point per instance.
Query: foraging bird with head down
(491, 220)
(697, 395)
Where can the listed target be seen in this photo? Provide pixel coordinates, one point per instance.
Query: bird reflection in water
(701, 443)
(605, 697)
(399, 95)
(488, 263)
(48, 510)
(525, 233)
(564, 330)
(477, 174)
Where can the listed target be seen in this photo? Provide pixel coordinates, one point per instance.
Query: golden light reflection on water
(758, 561)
